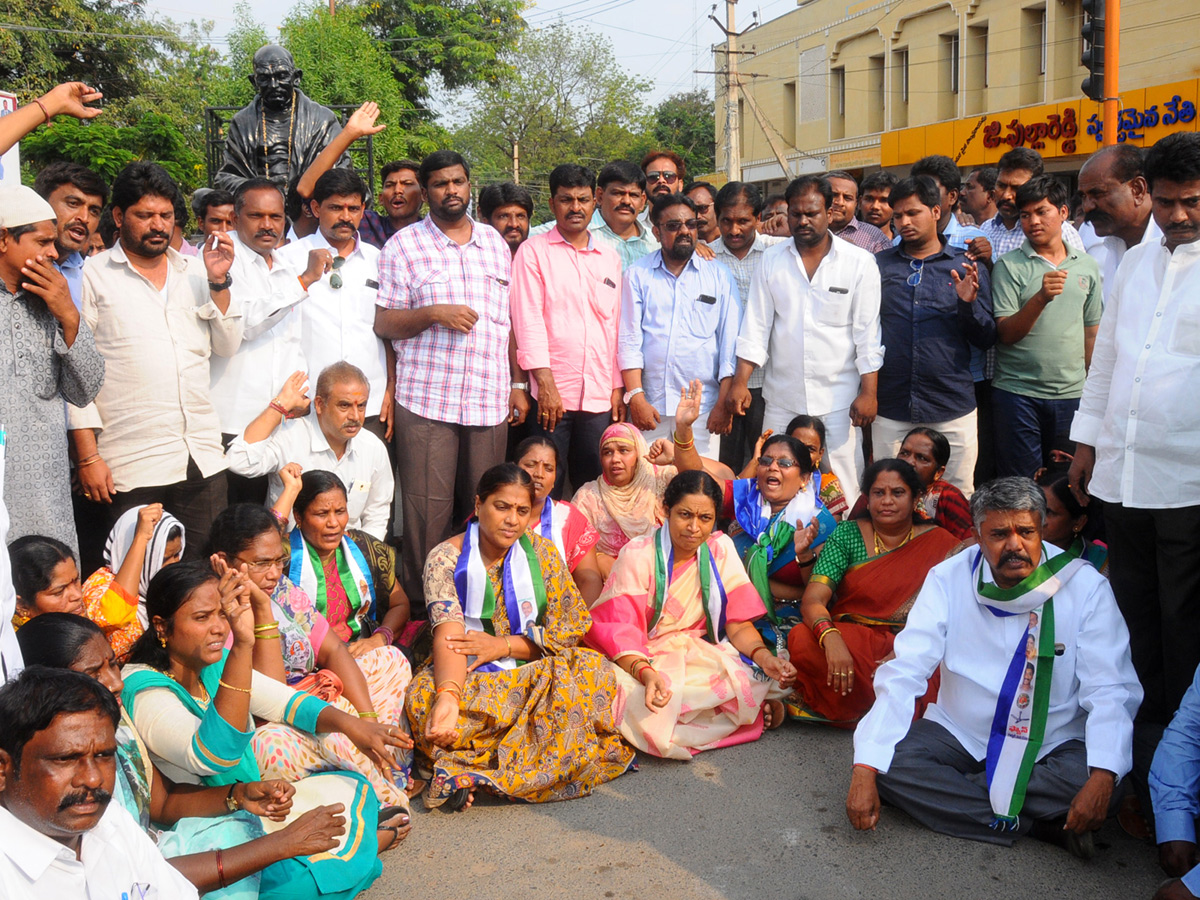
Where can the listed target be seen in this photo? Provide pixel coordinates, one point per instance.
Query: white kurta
(1094, 692)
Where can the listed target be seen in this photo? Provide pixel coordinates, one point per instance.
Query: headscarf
(634, 506)
(120, 539)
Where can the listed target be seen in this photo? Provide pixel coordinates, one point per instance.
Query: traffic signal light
(1093, 48)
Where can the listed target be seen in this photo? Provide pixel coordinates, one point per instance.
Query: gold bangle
(441, 687)
(224, 684)
(826, 633)
(507, 645)
(368, 715)
(260, 629)
(267, 637)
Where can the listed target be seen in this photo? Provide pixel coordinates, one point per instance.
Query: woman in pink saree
(676, 622)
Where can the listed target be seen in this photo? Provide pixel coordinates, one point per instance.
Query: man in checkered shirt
(443, 302)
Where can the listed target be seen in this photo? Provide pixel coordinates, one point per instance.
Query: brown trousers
(438, 466)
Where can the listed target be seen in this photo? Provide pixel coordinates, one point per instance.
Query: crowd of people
(329, 511)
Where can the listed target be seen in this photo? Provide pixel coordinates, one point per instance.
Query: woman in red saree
(858, 598)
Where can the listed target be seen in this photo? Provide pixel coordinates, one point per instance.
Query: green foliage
(567, 100)
(460, 43)
(108, 148)
(110, 44)
(685, 122)
(343, 64)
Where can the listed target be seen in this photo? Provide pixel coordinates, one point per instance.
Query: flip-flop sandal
(778, 714)
(386, 815)
(458, 799)
(415, 786)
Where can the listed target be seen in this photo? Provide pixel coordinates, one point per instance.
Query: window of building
(899, 88)
(788, 131)
(837, 85)
(975, 70)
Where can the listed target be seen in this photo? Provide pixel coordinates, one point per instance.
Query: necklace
(203, 698)
(880, 548)
(291, 132)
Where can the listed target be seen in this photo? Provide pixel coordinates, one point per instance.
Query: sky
(662, 41)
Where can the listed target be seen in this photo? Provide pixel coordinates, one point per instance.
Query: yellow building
(862, 85)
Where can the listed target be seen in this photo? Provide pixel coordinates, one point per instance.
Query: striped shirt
(442, 374)
(743, 271)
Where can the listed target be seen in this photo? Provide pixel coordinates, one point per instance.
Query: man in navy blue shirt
(936, 305)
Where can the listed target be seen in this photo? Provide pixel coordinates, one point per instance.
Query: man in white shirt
(812, 321)
(1033, 725)
(1135, 434)
(1116, 207)
(332, 438)
(152, 435)
(63, 835)
(267, 289)
(738, 208)
(338, 320)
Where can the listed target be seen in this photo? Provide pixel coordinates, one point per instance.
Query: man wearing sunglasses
(936, 305)
(679, 321)
(338, 321)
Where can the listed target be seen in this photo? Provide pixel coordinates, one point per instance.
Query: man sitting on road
(63, 835)
(993, 760)
(333, 439)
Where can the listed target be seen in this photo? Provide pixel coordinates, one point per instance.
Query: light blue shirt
(72, 270)
(1175, 779)
(678, 328)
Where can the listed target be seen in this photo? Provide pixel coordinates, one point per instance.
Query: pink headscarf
(634, 506)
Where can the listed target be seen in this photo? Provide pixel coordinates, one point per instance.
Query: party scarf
(1019, 723)
(774, 535)
(309, 575)
(712, 591)
(552, 522)
(522, 583)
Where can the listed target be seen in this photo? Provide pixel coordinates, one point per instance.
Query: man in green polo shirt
(1047, 300)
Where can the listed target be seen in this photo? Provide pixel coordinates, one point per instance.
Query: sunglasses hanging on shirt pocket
(708, 299)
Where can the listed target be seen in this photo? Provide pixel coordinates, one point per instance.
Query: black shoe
(1081, 846)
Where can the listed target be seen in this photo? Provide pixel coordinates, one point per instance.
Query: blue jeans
(1025, 429)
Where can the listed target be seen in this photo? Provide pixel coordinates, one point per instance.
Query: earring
(162, 640)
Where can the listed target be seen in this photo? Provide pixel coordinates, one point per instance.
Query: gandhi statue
(281, 133)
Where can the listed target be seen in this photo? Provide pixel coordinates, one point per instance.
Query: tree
(686, 123)
(459, 43)
(567, 100)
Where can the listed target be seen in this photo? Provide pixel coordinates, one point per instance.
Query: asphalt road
(765, 821)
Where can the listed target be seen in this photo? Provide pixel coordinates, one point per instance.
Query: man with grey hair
(332, 438)
(1003, 752)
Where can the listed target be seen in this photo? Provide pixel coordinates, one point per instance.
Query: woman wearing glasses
(859, 595)
(295, 643)
(779, 522)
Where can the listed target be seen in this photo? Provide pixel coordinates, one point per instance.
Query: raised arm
(360, 124)
(66, 99)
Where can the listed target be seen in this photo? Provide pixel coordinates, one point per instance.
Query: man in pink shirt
(566, 304)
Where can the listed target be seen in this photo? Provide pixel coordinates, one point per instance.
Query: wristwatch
(221, 285)
(520, 386)
(231, 801)
(629, 395)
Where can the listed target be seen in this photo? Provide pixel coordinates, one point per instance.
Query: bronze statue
(281, 133)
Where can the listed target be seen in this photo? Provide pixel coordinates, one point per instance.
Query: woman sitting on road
(349, 575)
(1066, 522)
(191, 702)
(779, 523)
(809, 431)
(142, 541)
(295, 645)
(676, 620)
(214, 836)
(559, 521)
(512, 703)
(859, 595)
(45, 578)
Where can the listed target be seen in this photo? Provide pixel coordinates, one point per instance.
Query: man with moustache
(620, 199)
(976, 195)
(874, 207)
(338, 320)
(812, 322)
(704, 195)
(332, 439)
(443, 302)
(157, 317)
(63, 835)
(566, 300)
(268, 289)
(401, 202)
(843, 220)
(1116, 207)
(989, 761)
(77, 195)
(507, 207)
(1135, 435)
(679, 323)
(739, 206)
(665, 172)
(1003, 232)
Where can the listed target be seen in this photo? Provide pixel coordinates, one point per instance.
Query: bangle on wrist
(278, 407)
(226, 684)
(507, 645)
(868, 768)
(45, 112)
(754, 652)
(368, 715)
(387, 634)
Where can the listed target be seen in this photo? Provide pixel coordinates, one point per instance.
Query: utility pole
(733, 137)
(1112, 62)
(516, 162)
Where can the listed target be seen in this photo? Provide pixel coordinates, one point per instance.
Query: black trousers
(737, 446)
(195, 502)
(577, 437)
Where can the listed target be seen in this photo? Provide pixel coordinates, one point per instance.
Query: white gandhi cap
(20, 205)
